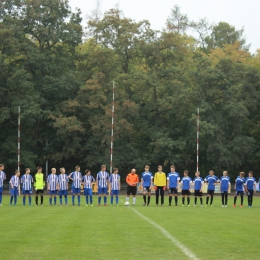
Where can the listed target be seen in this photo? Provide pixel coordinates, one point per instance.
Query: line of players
(58, 185)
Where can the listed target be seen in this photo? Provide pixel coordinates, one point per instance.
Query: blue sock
(87, 200)
(78, 199)
(11, 200)
(111, 199)
(66, 199)
(73, 199)
(99, 199)
(116, 199)
(105, 199)
(24, 201)
(55, 200)
(50, 201)
(15, 200)
(60, 200)
(1, 198)
(30, 200)
(91, 202)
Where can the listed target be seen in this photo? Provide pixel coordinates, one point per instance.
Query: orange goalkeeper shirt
(132, 179)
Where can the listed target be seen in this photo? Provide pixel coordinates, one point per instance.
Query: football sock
(149, 197)
(30, 200)
(105, 199)
(195, 201)
(11, 199)
(226, 199)
(99, 199)
(235, 200)
(36, 199)
(116, 199)
(50, 200)
(242, 200)
(222, 198)
(211, 199)
(73, 199)
(201, 202)
(87, 200)
(66, 199)
(60, 199)
(188, 199)
(41, 200)
(1, 198)
(90, 199)
(134, 200)
(176, 200)
(23, 200)
(111, 199)
(170, 199)
(207, 200)
(78, 199)
(183, 200)
(144, 197)
(15, 199)
(127, 199)
(55, 200)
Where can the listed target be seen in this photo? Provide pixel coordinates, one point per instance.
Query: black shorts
(173, 191)
(241, 193)
(131, 190)
(224, 192)
(147, 188)
(198, 193)
(39, 191)
(185, 192)
(250, 192)
(210, 192)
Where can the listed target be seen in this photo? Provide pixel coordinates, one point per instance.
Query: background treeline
(61, 75)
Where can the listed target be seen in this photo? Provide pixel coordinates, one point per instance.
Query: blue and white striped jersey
(114, 180)
(53, 181)
(186, 181)
(147, 179)
(250, 182)
(224, 183)
(2, 178)
(87, 180)
(63, 181)
(15, 181)
(198, 181)
(27, 181)
(77, 179)
(102, 178)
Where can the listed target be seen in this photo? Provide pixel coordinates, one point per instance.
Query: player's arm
(142, 181)
(201, 187)
(70, 176)
(97, 180)
(127, 181)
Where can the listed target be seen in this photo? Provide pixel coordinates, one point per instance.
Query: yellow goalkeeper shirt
(160, 179)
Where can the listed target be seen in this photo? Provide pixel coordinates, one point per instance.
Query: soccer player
(173, 179)
(88, 181)
(250, 188)
(132, 180)
(198, 186)
(2, 178)
(27, 181)
(63, 181)
(39, 185)
(146, 184)
(115, 186)
(211, 179)
(15, 183)
(224, 187)
(186, 181)
(240, 182)
(102, 184)
(159, 185)
(52, 181)
(76, 177)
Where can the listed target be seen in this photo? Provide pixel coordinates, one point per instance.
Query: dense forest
(60, 72)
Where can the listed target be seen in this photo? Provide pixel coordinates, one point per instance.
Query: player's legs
(1, 195)
(54, 198)
(144, 196)
(235, 199)
(183, 197)
(226, 198)
(79, 197)
(149, 198)
(112, 197)
(157, 196)
(241, 198)
(117, 193)
(50, 199)
(24, 197)
(223, 198)
(99, 195)
(195, 200)
(211, 197)
(162, 195)
(36, 198)
(128, 192)
(134, 191)
(170, 196)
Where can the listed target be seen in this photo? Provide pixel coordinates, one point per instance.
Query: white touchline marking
(176, 242)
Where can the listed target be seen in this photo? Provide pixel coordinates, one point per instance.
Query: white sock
(127, 199)
(134, 200)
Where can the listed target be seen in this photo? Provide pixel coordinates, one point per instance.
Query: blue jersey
(224, 183)
(2, 178)
(240, 182)
(211, 180)
(53, 181)
(15, 181)
(87, 180)
(198, 181)
(173, 178)
(147, 179)
(77, 179)
(102, 178)
(114, 180)
(186, 181)
(63, 181)
(27, 181)
(250, 182)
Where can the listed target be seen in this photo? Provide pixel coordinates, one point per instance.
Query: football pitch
(129, 232)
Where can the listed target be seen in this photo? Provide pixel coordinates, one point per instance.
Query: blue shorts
(27, 192)
(63, 193)
(87, 192)
(53, 192)
(241, 193)
(102, 190)
(114, 192)
(14, 191)
(1, 190)
(76, 190)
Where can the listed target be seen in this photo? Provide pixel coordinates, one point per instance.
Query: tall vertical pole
(112, 129)
(46, 163)
(19, 137)
(198, 137)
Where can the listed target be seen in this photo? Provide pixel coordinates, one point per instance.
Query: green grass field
(121, 233)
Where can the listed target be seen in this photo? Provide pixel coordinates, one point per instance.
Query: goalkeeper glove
(164, 188)
(155, 188)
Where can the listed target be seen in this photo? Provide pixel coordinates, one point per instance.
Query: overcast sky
(239, 13)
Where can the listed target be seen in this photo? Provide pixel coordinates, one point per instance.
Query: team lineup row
(58, 185)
